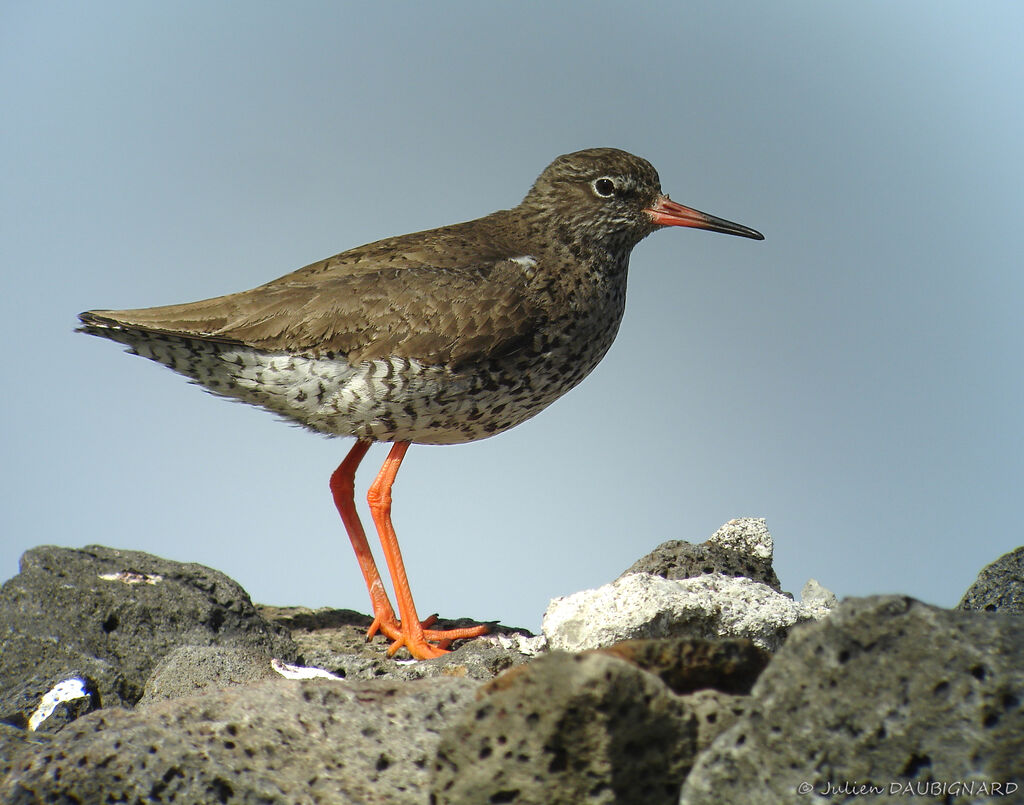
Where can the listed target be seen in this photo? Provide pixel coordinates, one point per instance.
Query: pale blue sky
(855, 378)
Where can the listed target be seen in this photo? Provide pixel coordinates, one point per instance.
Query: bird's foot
(420, 639)
(389, 626)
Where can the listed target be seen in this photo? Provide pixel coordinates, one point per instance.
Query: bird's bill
(666, 212)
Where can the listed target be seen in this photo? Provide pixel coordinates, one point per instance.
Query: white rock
(815, 596)
(530, 646)
(641, 605)
(747, 535)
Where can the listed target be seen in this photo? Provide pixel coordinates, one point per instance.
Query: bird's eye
(604, 187)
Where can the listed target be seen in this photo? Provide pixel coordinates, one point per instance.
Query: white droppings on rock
(641, 605)
(746, 535)
(130, 577)
(64, 691)
(289, 671)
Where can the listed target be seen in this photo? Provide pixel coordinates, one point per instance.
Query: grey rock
(887, 690)
(14, 741)
(741, 547)
(31, 666)
(191, 670)
(715, 712)
(274, 742)
(568, 729)
(50, 709)
(999, 587)
(335, 640)
(644, 606)
(687, 664)
(126, 608)
(813, 594)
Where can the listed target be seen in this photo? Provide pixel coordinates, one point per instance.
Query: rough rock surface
(30, 666)
(741, 547)
(335, 640)
(277, 741)
(14, 742)
(125, 608)
(645, 606)
(689, 664)
(813, 594)
(569, 729)
(192, 670)
(715, 712)
(999, 587)
(887, 690)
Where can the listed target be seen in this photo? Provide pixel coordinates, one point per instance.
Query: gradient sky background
(855, 378)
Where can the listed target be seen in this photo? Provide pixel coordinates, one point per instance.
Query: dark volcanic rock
(568, 729)
(108, 617)
(884, 691)
(15, 741)
(192, 670)
(52, 706)
(999, 587)
(689, 664)
(30, 666)
(715, 712)
(335, 640)
(741, 547)
(274, 742)
(678, 559)
(130, 607)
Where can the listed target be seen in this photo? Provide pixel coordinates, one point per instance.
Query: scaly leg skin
(409, 632)
(384, 620)
(343, 490)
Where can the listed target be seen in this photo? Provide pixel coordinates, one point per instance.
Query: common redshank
(438, 337)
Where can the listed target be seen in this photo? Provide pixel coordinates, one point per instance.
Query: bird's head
(611, 198)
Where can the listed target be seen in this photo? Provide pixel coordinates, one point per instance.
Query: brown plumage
(442, 336)
(372, 302)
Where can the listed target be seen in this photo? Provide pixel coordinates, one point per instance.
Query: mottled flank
(437, 337)
(385, 399)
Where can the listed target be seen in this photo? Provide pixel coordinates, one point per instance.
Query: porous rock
(14, 741)
(813, 594)
(572, 729)
(49, 709)
(191, 670)
(320, 741)
(645, 606)
(335, 640)
(715, 712)
(999, 587)
(126, 608)
(741, 547)
(31, 666)
(886, 691)
(687, 664)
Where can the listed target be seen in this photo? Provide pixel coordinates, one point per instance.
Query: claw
(423, 643)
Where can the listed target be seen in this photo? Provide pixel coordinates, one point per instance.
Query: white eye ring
(604, 187)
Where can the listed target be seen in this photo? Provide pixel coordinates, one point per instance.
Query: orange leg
(343, 490)
(411, 634)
